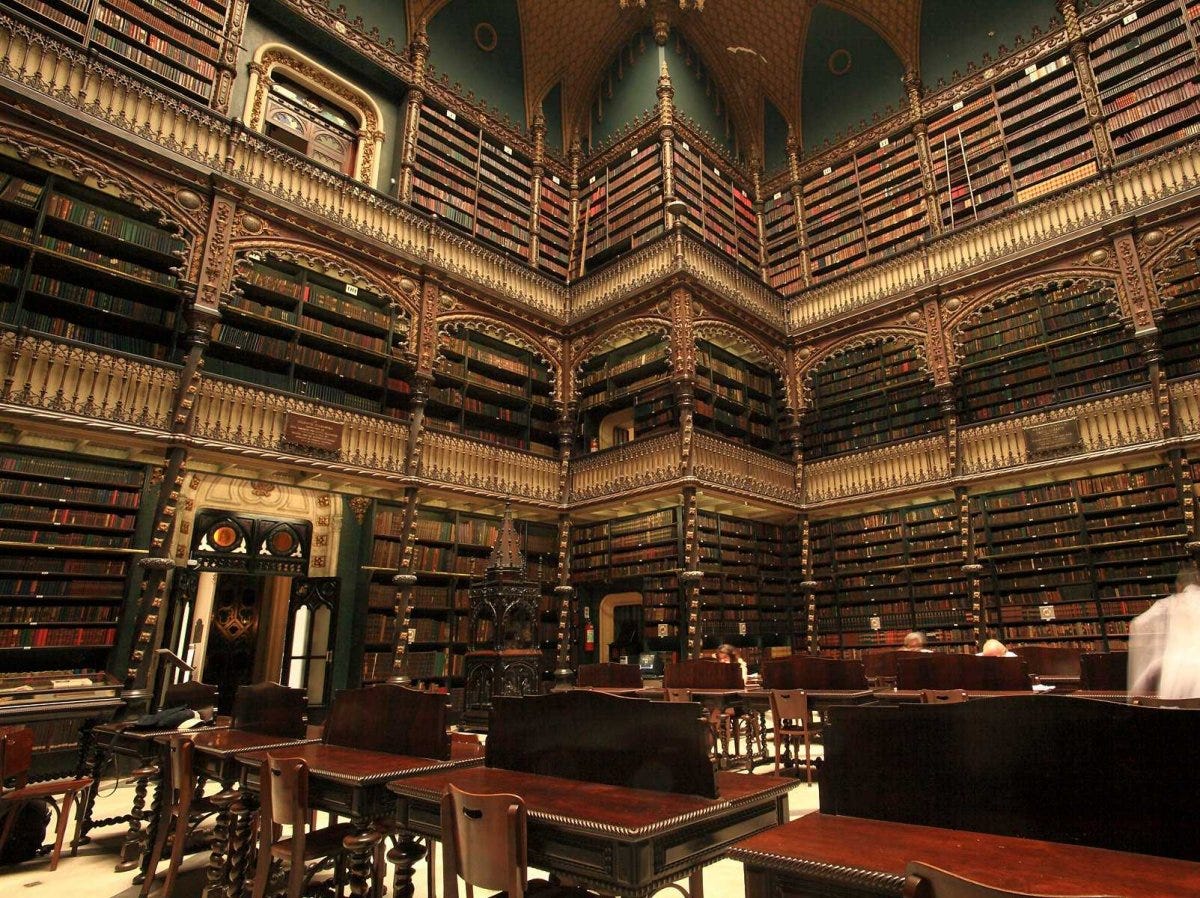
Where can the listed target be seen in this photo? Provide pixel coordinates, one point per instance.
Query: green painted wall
(954, 33)
(696, 95)
(386, 15)
(497, 76)
(552, 110)
(628, 90)
(775, 132)
(833, 104)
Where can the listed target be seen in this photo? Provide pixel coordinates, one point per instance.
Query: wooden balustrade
(1185, 405)
(257, 418)
(634, 465)
(48, 375)
(461, 461)
(726, 463)
(923, 461)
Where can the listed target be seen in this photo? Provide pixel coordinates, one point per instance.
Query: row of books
(38, 615)
(56, 637)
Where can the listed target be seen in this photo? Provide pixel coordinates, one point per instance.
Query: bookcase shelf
(1056, 344)
(643, 545)
(869, 396)
(83, 265)
(634, 375)
(970, 164)
(736, 397)
(1179, 286)
(720, 205)
(295, 330)
(747, 593)
(621, 205)
(1145, 70)
(882, 574)
(450, 549)
(490, 390)
(66, 552)
(555, 227)
(176, 43)
(784, 261)
(1073, 562)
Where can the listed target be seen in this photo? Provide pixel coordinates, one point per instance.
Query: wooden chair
(16, 757)
(943, 696)
(607, 674)
(183, 810)
(484, 842)
(793, 722)
(923, 881)
(1104, 671)
(284, 802)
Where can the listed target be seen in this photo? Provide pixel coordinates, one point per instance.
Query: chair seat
(46, 790)
(797, 731)
(319, 843)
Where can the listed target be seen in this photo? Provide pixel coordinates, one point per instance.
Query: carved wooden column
(404, 582)
(939, 363)
(574, 160)
(418, 55)
(538, 172)
(425, 350)
(760, 222)
(215, 273)
(235, 25)
(970, 566)
(691, 575)
(666, 138)
(933, 212)
(683, 372)
(797, 189)
(1187, 499)
(565, 593)
(1082, 63)
(808, 588)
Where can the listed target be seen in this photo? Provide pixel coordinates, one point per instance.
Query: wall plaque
(315, 433)
(1053, 438)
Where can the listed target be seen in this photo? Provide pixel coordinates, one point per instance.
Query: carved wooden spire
(507, 555)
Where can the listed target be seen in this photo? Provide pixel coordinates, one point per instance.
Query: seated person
(914, 642)
(994, 648)
(727, 654)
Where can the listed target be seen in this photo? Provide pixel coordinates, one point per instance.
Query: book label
(876, 622)
(663, 631)
(352, 290)
(1046, 612)
(741, 628)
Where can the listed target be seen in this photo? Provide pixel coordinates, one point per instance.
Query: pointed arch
(624, 332)
(911, 335)
(501, 330)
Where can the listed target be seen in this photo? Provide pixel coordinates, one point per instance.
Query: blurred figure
(914, 642)
(1164, 642)
(727, 654)
(994, 648)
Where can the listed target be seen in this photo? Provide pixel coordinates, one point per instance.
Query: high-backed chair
(925, 881)
(1104, 671)
(193, 694)
(608, 674)
(16, 757)
(484, 842)
(879, 666)
(270, 709)
(942, 696)
(182, 811)
(794, 725)
(284, 802)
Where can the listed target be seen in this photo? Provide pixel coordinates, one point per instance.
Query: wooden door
(233, 636)
(308, 645)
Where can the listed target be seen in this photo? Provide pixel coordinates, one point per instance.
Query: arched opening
(612, 621)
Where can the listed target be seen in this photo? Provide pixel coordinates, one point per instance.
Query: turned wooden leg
(98, 757)
(217, 871)
(154, 815)
(404, 854)
(131, 848)
(361, 850)
(240, 846)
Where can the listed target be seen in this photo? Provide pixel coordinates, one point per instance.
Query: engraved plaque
(1053, 438)
(315, 433)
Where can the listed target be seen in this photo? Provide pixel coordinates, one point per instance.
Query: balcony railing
(460, 461)
(633, 466)
(729, 464)
(923, 461)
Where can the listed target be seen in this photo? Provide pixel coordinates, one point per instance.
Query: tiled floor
(90, 874)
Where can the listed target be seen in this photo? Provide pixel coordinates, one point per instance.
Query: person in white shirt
(1164, 643)
(994, 648)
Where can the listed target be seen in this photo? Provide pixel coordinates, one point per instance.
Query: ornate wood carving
(1137, 296)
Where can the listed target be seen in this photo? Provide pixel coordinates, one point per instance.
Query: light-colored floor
(91, 875)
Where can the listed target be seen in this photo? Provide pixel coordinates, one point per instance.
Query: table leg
(99, 757)
(696, 884)
(361, 848)
(240, 846)
(217, 870)
(404, 854)
(131, 847)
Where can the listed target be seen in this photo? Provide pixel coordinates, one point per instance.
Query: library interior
(405, 407)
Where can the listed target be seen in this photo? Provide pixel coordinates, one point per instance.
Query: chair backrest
(924, 881)
(609, 674)
(16, 756)
(880, 665)
(192, 694)
(943, 696)
(790, 704)
(286, 801)
(484, 842)
(1104, 671)
(1050, 660)
(703, 674)
(270, 709)
(179, 768)
(388, 718)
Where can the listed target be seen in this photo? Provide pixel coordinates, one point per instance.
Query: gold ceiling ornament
(697, 5)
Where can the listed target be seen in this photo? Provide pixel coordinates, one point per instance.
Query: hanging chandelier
(697, 5)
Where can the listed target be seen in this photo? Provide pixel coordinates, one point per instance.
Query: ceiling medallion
(840, 62)
(485, 37)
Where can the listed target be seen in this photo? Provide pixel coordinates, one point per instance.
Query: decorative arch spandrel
(808, 365)
(499, 330)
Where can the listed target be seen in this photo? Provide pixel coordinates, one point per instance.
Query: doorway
(233, 635)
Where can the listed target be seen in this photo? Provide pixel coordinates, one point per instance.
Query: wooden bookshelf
(720, 205)
(176, 43)
(1179, 286)
(642, 545)
(869, 396)
(833, 219)
(1145, 70)
(883, 574)
(633, 375)
(492, 391)
(83, 265)
(66, 553)
(451, 549)
(891, 195)
(746, 595)
(1057, 344)
(736, 397)
(970, 165)
(622, 205)
(295, 330)
(664, 619)
(472, 181)
(555, 227)
(784, 261)
(1073, 562)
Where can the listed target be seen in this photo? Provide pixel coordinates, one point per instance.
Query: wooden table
(214, 757)
(853, 857)
(618, 840)
(353, 782)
